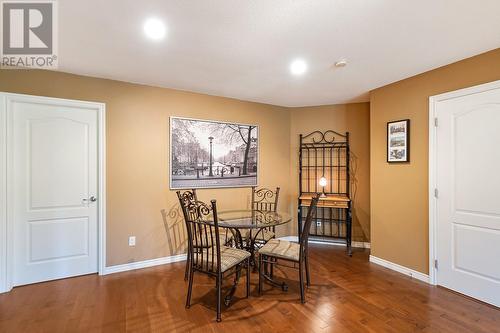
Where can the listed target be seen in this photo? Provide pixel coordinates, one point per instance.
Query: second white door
(468, 204)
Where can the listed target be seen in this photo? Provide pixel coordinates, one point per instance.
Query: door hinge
(435, 264)
(436, 193)
(435, 122)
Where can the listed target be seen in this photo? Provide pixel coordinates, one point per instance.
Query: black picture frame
(398, 141)
(192, 157)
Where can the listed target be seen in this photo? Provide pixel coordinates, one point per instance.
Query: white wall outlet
(131, 241)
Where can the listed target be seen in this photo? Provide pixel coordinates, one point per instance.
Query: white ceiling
(243, 48)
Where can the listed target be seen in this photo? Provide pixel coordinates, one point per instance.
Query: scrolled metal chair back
(203, 236)
(185, 198)
(265, 199)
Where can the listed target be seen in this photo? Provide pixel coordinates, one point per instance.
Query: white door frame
(433, 166)
(6, 225)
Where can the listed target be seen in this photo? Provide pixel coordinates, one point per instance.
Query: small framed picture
(398, 141)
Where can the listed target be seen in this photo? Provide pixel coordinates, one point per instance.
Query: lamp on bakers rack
(323, 181)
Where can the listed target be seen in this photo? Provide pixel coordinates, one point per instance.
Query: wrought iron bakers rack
(324, 168)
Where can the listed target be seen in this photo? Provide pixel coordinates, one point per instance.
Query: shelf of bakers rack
(326, 200)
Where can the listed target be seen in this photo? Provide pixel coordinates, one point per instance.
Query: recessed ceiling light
(298, 67)
(155, 29)
(341, 63)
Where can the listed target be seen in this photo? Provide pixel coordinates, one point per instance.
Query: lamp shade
(322, 181)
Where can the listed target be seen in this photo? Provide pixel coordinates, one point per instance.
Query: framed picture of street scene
(210, 154)
(398, 141)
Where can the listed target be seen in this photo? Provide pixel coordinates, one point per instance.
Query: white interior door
(53, 187)
(468, 204)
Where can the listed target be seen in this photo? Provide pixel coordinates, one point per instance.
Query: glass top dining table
(251, 219)
(255, 220)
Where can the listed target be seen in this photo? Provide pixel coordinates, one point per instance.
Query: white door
(468, 204)
(53, 186)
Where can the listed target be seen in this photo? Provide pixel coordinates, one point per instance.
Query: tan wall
(354, 118)
(399, 192)
(137, 153)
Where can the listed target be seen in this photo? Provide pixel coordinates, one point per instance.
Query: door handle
(91, 199)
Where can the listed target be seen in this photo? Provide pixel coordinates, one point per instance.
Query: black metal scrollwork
(328, 136)
(266, 217)
(264, 194)
(188, 197)
(198, 210)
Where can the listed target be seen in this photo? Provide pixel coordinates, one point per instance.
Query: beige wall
(399, 192)
(137, 155)
(137, 152)
(354, 118)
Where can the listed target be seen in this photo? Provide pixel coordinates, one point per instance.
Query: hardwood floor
(347, 295)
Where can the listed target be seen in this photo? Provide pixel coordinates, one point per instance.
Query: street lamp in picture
(210, 172)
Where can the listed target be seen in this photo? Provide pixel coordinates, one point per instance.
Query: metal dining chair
(185, 198)
(217, 260)
(264, 199)
(276, 250)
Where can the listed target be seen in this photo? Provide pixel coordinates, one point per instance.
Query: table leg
(251, 249)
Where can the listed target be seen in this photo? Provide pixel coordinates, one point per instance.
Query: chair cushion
(229, 257)
(263, 236)
(281, 249)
